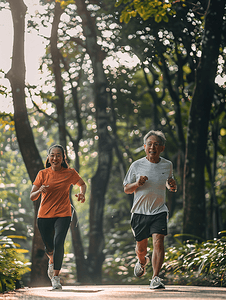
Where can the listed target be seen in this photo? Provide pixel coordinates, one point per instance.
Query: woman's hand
(43, 188)
(81, 197)
(36, 191)
(82, 186)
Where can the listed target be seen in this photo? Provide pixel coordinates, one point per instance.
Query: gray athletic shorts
(143, 226)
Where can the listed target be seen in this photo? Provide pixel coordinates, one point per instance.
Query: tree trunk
(74, 92)
(56, 58)
(100, 180)
(81, 263)
(215, 218)
(30, 154)
(194, 183)
(59, 102)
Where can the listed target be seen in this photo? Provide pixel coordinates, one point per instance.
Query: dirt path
(102, 292)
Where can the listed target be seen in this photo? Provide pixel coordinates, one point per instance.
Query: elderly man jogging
(148, 178)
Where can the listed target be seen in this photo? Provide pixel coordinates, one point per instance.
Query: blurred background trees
(106, 84)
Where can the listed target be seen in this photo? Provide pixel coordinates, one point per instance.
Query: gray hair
(157, 133)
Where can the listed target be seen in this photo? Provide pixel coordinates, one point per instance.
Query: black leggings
(53, 232)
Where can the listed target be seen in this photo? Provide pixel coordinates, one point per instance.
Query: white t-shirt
(149, 199)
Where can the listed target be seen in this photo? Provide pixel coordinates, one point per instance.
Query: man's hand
(172, 185)
(142, 180)
(131, 187)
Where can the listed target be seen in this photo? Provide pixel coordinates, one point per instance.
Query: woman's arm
(81, 195)
(36, 191)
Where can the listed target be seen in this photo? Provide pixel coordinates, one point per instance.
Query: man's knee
(158, 240)
(141, 252)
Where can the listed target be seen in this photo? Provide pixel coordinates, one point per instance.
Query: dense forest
(113, 70)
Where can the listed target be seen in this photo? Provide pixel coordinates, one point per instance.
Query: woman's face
(55, 158)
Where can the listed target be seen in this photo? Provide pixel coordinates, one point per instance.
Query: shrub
(188, 263)
(197, 264)
(12, 262)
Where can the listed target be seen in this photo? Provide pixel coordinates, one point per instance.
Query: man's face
(153, 148)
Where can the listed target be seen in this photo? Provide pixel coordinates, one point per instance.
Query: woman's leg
(61, 227)
(46, 229)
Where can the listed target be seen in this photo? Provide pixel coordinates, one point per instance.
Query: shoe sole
(58, 288)
(158, 287)
(144, 270)
(138, 276)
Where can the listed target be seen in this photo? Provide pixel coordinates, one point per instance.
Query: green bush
(189, 263)
(196, 264)
(12, 262)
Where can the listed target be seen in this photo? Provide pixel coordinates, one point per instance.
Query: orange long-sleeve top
(56, 202)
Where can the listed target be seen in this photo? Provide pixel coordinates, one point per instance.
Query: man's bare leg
(141, 250)
(158, 253)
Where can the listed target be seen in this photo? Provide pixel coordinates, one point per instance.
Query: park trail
(116, 292)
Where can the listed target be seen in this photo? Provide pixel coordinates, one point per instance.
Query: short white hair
(157, 133)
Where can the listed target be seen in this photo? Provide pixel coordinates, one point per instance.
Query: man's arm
(131, 187)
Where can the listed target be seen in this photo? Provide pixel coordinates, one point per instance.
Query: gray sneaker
(56, 283)
(156, 283)
(50, 271)
(139, 269)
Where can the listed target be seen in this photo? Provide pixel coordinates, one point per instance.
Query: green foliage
(16, 208)
(12, 262)
(196, 264)
(64, 3)
(3, 90)
(158, 10)
(15, 186)
(189, 263)
(6, 122)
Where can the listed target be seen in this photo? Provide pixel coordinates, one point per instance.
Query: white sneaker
(139, 269)
(50, 271)
(156, 283)
(56, 283)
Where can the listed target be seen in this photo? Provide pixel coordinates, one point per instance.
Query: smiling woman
(56, 158)
(55, 212)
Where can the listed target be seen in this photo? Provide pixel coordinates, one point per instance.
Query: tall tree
(30, 154)
(56, 58)
(199, 117)
(100, 180)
